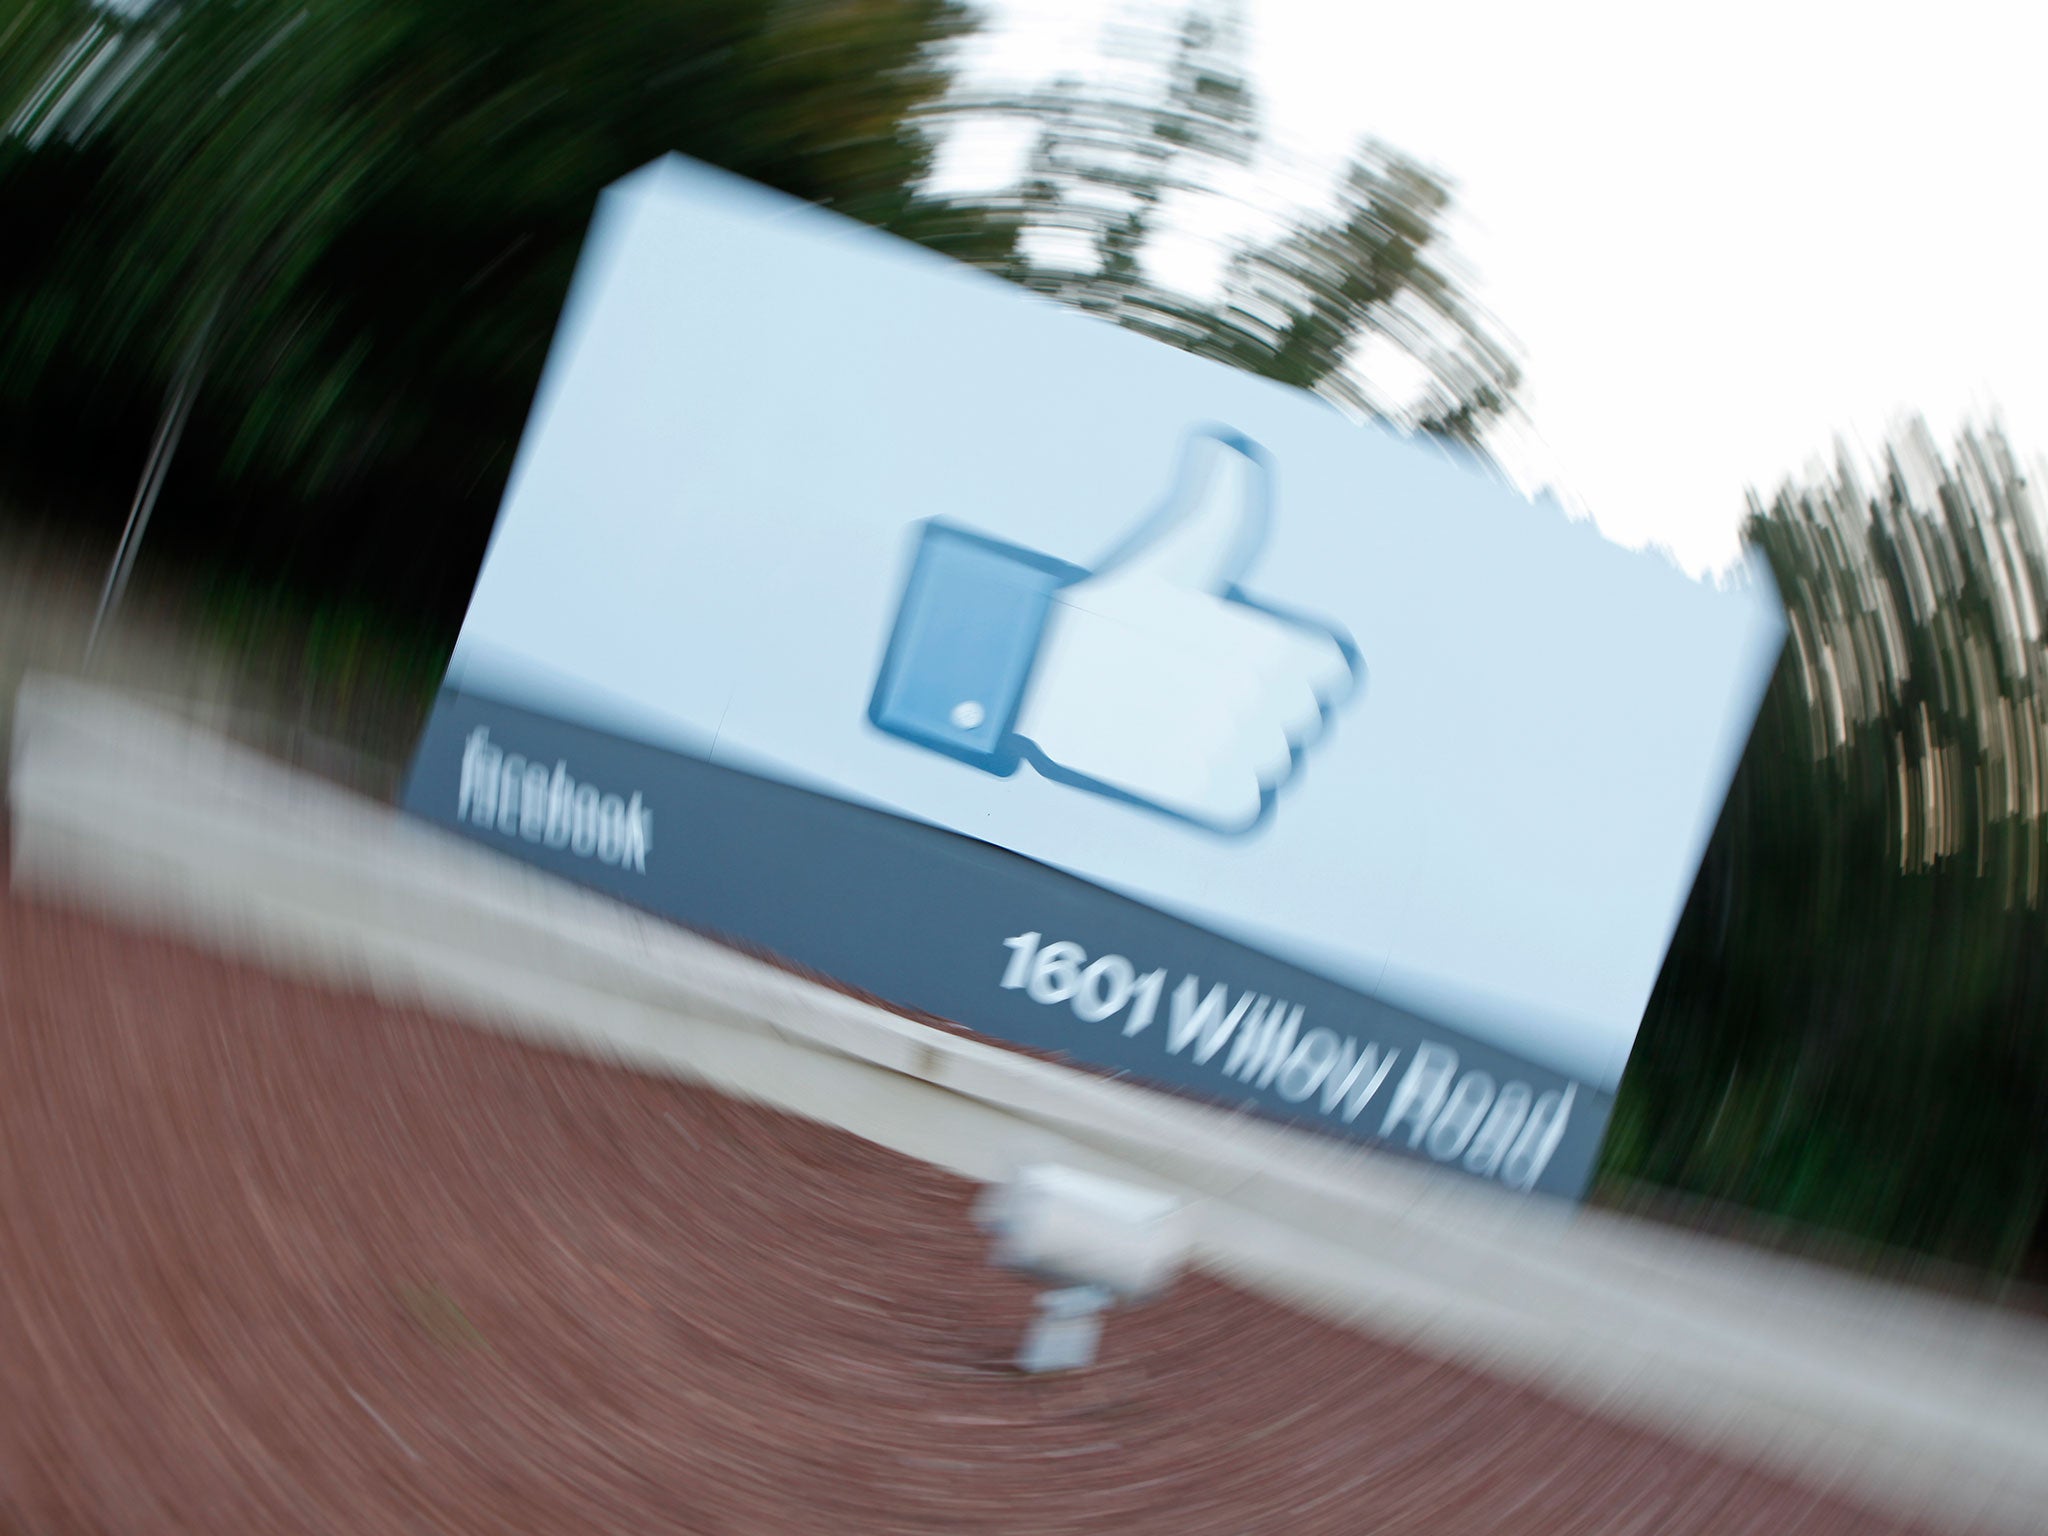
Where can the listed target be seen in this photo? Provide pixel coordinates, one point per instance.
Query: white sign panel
(803, 500)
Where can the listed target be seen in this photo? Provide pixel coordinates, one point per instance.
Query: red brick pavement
(280, 1259)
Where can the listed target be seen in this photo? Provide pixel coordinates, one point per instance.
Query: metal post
(1064, 1335)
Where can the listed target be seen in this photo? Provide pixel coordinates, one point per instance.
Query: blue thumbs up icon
(1152, 678)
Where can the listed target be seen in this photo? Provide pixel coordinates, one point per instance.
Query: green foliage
(365, 213)
(354, 220)
(1852, 1028)
(1304, 307)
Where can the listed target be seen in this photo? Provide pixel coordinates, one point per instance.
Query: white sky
(1723, 239)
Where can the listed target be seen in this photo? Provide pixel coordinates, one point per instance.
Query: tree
(362, 215)
(1852, 1027)
(1175, 119)
(338, 232)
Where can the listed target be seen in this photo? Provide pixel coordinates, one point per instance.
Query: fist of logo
(1152, 678)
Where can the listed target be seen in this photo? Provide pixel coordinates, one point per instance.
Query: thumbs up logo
(1153, 678)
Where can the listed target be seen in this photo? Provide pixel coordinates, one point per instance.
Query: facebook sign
(859, 607)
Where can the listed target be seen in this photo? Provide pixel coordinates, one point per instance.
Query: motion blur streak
(1918, 638)
(1848, 1028)
(279, 1257)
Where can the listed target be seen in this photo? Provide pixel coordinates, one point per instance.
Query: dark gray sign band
(945, 925)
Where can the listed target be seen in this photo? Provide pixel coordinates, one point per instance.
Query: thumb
(1212, 522)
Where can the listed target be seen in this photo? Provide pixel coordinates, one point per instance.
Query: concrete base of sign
(1907, 1399)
